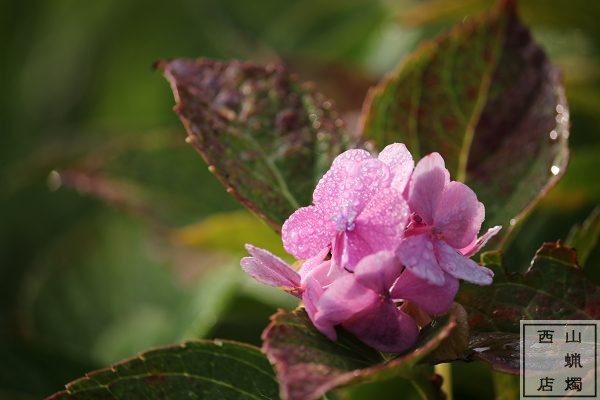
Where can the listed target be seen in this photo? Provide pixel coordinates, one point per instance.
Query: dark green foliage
(191, 370)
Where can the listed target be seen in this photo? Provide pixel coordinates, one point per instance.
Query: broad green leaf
(583, 238)
(265, 136)
(107, 290)
(199, 370)
(308, 364)
(554, 287)
(486, 97)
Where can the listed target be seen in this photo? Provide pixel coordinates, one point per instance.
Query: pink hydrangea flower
(358, 208)
(362, 302)
(360, 214)
(443, 229)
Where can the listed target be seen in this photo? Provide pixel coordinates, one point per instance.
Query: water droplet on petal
(553, 135)
(555, 169)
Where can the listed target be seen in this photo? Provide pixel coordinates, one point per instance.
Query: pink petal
(426, 186)
(309, 265)
(352, 155)
(310, 297)
(434, 300)
(348, 249)
(306, 232)
(382, 222)
(345, 189)
(477, 244)
(323, 273)
(384, 328)
(269, 269)
(343, 299)
(462, 267)
(397, 157)
(417, 255)
(459, 215)
(378, 271)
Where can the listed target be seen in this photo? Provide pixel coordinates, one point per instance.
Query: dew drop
(560, 109)
(188, 139)
(54, 180)
(555, 170)
(212, 169)
(512, 221)
(553, 135)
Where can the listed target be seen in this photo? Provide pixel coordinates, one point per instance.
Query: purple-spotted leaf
(267, 137)
(554, 287)
(308, 364)
(200, 370)
(486, 97)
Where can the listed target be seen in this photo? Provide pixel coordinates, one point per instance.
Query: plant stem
(506, 386)
(445, 371)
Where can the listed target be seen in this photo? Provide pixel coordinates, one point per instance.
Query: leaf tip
(160, 65)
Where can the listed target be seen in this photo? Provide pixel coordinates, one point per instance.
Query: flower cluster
(381, 232)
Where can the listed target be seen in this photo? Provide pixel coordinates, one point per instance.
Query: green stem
(506, 386)
(421, 379)
(445, 371)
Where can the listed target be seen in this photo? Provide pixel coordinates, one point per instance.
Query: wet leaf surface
(264, 135)
(554, 287)
(486, 97)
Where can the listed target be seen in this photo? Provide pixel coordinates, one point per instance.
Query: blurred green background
(114, 237)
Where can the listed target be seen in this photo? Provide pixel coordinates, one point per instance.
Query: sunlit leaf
(230, 232)
(486, 97)
(308, 364)
(264, 135)
(201, 370)
(554, 287)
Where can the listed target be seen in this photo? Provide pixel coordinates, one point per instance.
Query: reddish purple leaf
(264, 135)
(308, 364)
(486, 97)
(554, 287)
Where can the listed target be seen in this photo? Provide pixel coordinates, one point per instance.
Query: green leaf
(199, 370)
(584, 237)
(308, 364)
(554, 287)
(486, 97)
(265, 136)
(107, 289)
